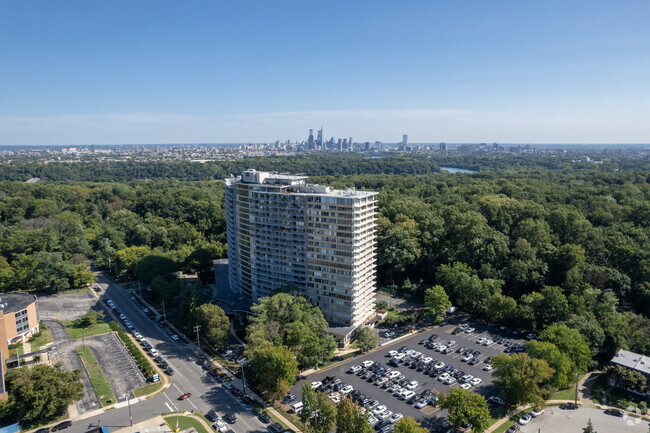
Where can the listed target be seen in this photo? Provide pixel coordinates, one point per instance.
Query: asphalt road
(189, 377)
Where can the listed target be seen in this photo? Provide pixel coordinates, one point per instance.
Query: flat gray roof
(632, 360)
(13, 302)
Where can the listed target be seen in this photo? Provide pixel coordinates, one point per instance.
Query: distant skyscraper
(350, 145)
(405, 139)
(443, 146)
(319, 140)
(311, 138)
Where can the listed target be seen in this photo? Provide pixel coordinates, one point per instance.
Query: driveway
(65, 307)
(116, 363)
(568, 421)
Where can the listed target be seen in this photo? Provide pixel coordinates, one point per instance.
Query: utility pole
(164, 315)
(198, 344)
(129, 403)
(576, 396)
(140, 290)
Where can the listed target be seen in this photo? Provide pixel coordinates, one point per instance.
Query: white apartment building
(283, 231)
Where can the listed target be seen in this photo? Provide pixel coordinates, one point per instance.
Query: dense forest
(525, 242)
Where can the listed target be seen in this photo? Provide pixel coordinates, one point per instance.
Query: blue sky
(81, 72)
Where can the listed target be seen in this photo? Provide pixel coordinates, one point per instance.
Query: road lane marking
(169, 407)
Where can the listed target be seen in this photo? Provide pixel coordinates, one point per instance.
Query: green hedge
(137, 354)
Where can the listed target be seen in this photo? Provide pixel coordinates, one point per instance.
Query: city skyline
(156, 72)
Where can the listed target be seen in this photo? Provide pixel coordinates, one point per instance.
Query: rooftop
(632, 360)
(13, 302)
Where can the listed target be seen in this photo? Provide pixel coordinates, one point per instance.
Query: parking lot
(564, 421)
(65, 307)
(427, 379)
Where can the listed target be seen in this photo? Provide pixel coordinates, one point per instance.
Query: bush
(113, 325)
(643, 407)
(136, 353)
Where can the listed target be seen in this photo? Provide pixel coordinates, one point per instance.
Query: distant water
(457, 170)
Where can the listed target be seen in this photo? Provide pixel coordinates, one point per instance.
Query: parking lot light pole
(576, 396)
(129, 404)
(177, 411)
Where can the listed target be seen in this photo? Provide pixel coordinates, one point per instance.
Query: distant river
(457, 170)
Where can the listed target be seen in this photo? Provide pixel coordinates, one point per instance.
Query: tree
(86, 320)
(150, 267)
(626, 377)
(43, 393)
(366, 338)
(466, 407)
(520, 377)
(589, 428)
(215, 325)
(501, 308)
(272, 369)
(350, 418)
(399, 244)
(408, 425)
(318, 412)
(570, 342)
(437, 302)
(293, 322)
(560, 362)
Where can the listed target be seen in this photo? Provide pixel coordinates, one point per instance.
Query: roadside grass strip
(97, 378)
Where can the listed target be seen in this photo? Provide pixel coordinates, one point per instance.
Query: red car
(184, 396)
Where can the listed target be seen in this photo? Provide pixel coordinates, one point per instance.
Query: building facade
(18, 322)
(285, 232)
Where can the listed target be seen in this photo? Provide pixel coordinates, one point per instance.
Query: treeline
(127, 171)
(528, 249)
(50, 232)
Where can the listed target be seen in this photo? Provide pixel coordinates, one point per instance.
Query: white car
(373, 420)
(399, 356)
(406, 395)
(392, 353)
(535, 413)
(317, 384)
(450, 380)
(122, 316)
(220, 427)
(443, 377)
(355, 369)
(346, 390)
(525, 419)
(476, 381)
(379, 409)
(367, 364)
(175, 337)
(466, 378)
(439, 364)
(426, 360)
(421, 403)
(466, 386)
(467, 357)
(488, 342)
(384, 415)
(487, 367)
(394, 374)
(469, 330)
(412, 385)
(335, 397)
(395, 417)
(464, 326)
(416, 355)
(481, 340)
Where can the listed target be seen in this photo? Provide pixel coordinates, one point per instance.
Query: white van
(297, 407)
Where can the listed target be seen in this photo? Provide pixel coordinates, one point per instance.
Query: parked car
(61, 426)
(525, 419)
(513, 428)
(614, 412)
(230, 418)
(568, 406)
(537, 411)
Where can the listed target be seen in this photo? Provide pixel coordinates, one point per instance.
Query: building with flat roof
(18, 322)
(633, 361)
(283, 231)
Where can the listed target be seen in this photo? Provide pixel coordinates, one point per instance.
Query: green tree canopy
(466, 407)
(42, 393)
(520, 377)
(318, 412)
(366, 338)
(215, 325)
(271, 368)
(409, 424)
(437, 302)
(570, 342)
(350, 418)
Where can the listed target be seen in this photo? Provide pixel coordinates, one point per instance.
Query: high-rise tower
(283, 231)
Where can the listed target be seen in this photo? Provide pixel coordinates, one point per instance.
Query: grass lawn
(563, 394)
(291, 417)
(19, 349)
(41, 339)
(506, 425)
(147, 389)
(102, 388)
(94, 329)
(184, 422)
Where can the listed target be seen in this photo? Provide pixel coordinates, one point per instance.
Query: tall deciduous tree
(466, 407)
(350, 418)
(366, 338)
(215, 325)
(520, 377)
(409, 425)
(272, 368)
(437, 302)
(570, 342)
(43, 393)
(318, 411)
(564, 368)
